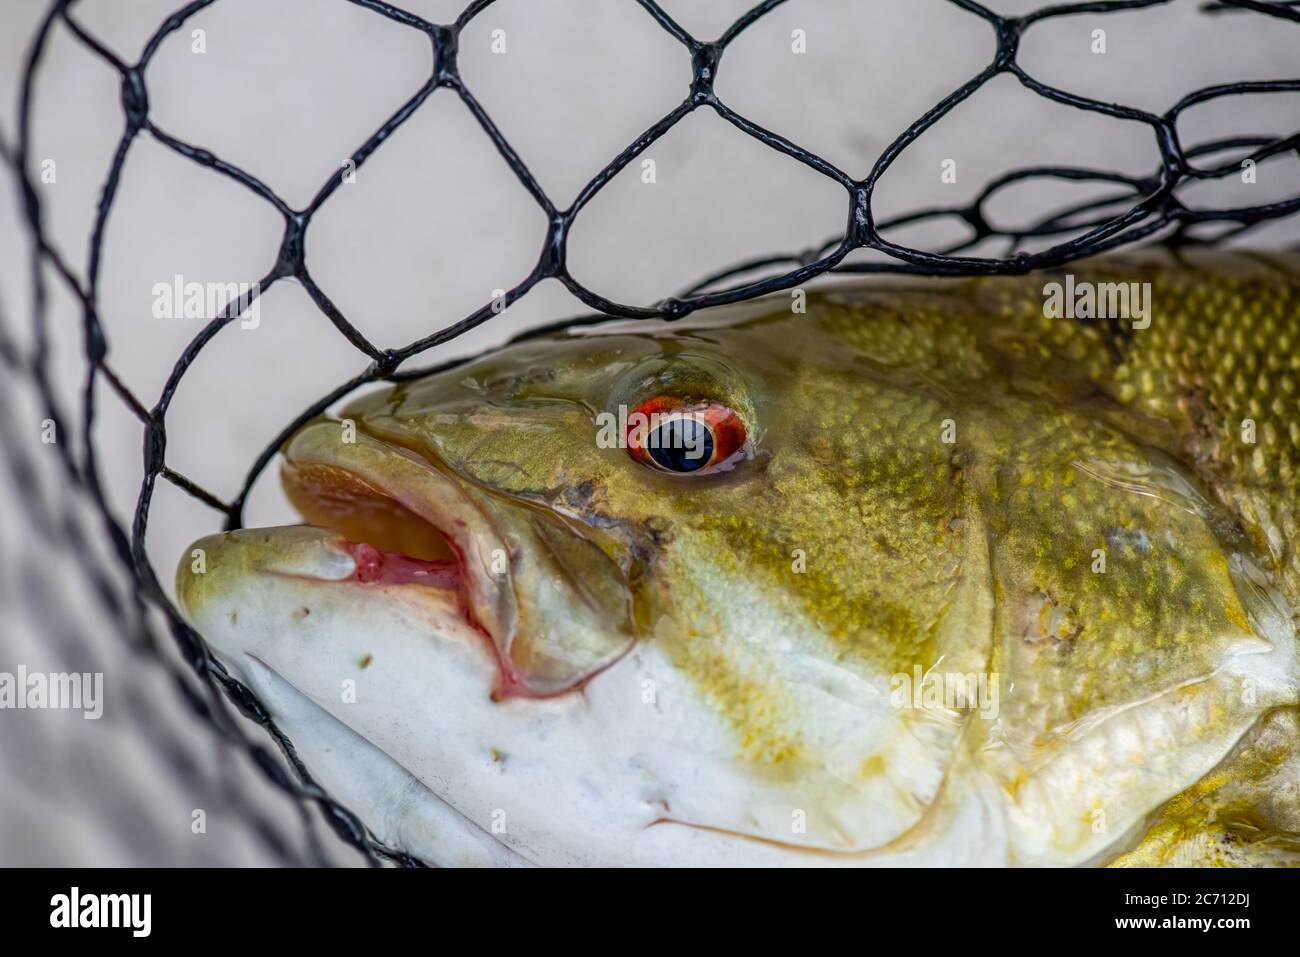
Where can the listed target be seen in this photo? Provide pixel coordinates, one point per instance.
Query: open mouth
(389, 543)
(404, 523)
(405, 520)
(554, 607)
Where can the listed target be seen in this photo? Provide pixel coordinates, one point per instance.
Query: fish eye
(671, 435)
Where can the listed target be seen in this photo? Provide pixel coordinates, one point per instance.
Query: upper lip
(415, 485)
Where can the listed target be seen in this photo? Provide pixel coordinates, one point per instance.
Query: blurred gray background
(433, 224)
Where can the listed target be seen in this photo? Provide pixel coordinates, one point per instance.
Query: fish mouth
(552, 605)
(407, 523)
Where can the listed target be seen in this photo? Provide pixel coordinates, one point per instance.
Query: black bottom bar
(940, 907)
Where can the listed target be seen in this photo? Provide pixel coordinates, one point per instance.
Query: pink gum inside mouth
(375, 565)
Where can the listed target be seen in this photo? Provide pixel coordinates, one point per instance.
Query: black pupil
(681, 445)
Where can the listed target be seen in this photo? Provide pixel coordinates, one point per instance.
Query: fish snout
(239, 588)
(309, 603)
(218, 569)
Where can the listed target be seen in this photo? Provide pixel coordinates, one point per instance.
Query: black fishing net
(132, 602)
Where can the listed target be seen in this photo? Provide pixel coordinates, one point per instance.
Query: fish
(905, 572)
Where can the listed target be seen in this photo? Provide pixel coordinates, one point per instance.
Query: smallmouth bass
(923, 575)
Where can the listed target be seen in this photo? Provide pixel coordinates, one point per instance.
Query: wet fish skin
(1098, 520)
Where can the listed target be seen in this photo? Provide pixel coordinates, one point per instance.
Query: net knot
(1008, 31)
(704, 67)
(860, 231)
(292, 259)
(551, 261)
(135, 99)
(674, 308)
(446, 44)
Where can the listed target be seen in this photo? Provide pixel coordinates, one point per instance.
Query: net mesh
(1133, 208)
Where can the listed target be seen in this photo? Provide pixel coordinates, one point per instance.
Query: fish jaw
(295, 601)
(548, 635)
(401, 812)
(393, 691)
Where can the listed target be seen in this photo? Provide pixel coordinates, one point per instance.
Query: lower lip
(374, 566)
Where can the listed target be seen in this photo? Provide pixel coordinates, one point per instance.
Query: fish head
(666, 513)
(689, 592)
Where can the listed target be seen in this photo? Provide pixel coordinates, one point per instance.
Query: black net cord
(1138, 208)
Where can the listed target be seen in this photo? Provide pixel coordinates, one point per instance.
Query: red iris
(684, 438)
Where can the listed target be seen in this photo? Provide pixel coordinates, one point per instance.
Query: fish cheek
(579, 579)
(596, 578)
(635, 543)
